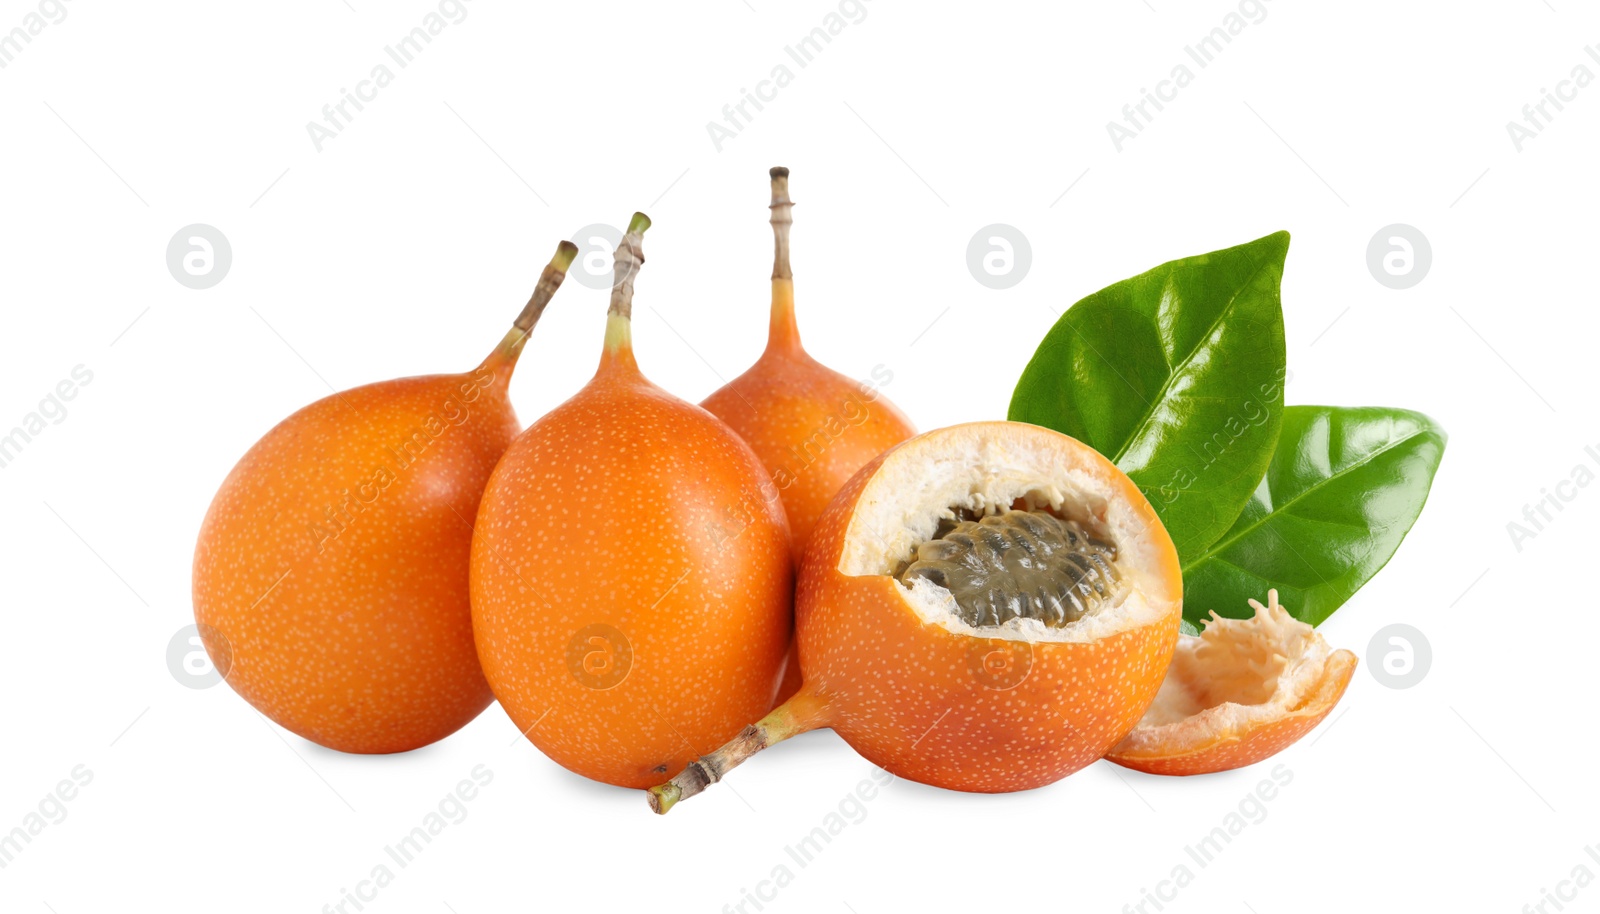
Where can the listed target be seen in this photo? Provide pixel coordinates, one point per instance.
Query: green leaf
(1343, 488)
(1177, 376)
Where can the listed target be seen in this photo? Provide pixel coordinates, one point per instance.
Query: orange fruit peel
(1241, 691)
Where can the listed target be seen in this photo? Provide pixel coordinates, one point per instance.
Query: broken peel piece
(1241, 691)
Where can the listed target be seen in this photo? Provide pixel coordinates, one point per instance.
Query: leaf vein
(1284, 508)
(1175, 372)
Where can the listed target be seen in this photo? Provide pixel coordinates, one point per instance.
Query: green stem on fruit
(629, 257)
(549, 281)
(783, 333)
(803, 712)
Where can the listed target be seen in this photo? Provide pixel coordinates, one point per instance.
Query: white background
(410, 241)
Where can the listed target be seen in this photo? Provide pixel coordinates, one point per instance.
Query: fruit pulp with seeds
(1017, 564)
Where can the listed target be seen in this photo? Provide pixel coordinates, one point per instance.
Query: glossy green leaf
(1343, 488)
(1177, 376)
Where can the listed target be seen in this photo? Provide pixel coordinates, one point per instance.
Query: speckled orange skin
(335, 564)
(1225, 751)
(812, 427)
(905, 695)
(628, 507)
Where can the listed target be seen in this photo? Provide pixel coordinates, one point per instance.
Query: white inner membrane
(920, 484)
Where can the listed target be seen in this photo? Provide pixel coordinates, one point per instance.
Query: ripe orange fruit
(812, 427)
(988, 607)
(1240, 692)
(330, 576)
(631, 579)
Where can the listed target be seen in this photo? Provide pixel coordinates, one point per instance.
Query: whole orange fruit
(631, 578)
(812, 427)
(330, 576)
